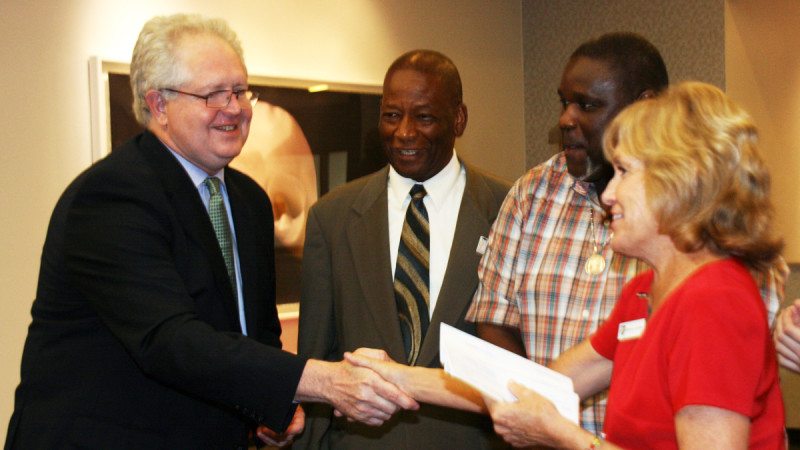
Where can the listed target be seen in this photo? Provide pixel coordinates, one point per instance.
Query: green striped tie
(219, 220)
(411, 279)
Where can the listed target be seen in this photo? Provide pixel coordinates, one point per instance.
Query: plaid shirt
(532, 275)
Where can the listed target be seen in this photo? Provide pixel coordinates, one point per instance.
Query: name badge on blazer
(482, 244)
(632, 329)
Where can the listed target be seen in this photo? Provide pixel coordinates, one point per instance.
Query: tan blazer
(348, 302)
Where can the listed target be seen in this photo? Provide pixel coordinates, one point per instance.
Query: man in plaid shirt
(537, 295)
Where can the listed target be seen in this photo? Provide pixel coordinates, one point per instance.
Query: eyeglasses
(221, 99)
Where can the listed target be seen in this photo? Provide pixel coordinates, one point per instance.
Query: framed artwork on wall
(306, 138)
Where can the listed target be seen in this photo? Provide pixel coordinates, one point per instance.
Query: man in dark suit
(354, 240)
(154, 324)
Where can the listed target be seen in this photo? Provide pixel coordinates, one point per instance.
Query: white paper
(489, 368)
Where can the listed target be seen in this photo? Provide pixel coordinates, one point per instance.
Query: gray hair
(154, 64)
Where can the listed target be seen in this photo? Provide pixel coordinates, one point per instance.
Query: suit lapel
(461, 276)
(368, 236)
(246, 246)
(192, 214)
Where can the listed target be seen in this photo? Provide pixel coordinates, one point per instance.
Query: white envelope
(489, 368)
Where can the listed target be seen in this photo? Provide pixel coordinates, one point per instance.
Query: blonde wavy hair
(154, 64)
(704, 178)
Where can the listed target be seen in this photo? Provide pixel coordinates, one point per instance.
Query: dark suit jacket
(348, 302)
(135, 341)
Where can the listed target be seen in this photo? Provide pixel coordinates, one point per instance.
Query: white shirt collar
(437, 186)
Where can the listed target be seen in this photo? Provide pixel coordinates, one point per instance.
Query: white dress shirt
(443, 201)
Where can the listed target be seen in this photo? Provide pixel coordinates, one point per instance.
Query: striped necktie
(219, 220)
(411, 279)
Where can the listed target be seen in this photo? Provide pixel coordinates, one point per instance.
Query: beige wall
(45, 46)
(763, 73)
(688, 33)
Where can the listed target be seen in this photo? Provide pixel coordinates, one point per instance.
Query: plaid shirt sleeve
(772, 286)
(494, 300)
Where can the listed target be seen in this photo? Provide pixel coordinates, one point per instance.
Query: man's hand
(787, 337)
(358, 393)
(365, 396)
(374, 353)
(272, 438)
(374, 359)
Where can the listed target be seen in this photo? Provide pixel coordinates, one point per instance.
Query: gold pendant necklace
(596, 264)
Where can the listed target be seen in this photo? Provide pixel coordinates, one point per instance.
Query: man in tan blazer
(351, 252)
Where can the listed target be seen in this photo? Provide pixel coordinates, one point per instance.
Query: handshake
(361, 387)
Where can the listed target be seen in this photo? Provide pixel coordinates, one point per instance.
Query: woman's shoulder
(724, 290)
(724, 275)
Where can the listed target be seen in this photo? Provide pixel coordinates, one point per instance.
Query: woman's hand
(424, 384)
(532, 420)
(379, 361)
